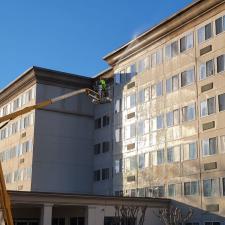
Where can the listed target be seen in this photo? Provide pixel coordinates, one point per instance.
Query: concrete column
(94, 215)
(46, 214)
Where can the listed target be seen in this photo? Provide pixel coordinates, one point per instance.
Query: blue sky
(72, 35)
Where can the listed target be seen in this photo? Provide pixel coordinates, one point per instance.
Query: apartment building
(169, 102)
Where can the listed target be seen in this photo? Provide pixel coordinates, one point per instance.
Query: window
(77, 221)
(209, 146)
(26, 146)
(220, 25)
(130, 131)
(105, 146)
(143, 160)
(172, 50)
(210, 187)
(160, 123)
(58, 221)
(98, 123)
(160, 157)
(131, 71)
(131, 101)
(188, 113)
(16, 104)
(118, 166)
(97, 149)
(186, 42)
(191, 188)
(159, 191)
(131, 163)
(97, 175)
(173, 154)
(173, 118)
(14, 127)
(187, 77)
(172, 84)
(223, 183)
(118, 105)
(221, 99)
(156, 58)
(143, 127)
(170, 155)
(204, 33)
(206, 69)
(105, 121)
(143, 65)
(220, 63)
(157, 123)
(212, 223)
(5, 110)
(143, 96)
(172, 190)
(208, 106)
(157, 90)
(118, 135)
(105, 174)
(192, 223)
(222, 144)
(190, 151)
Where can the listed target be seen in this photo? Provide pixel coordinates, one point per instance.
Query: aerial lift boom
(4, 197)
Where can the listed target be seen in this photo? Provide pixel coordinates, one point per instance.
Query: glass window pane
(204, 110)
(211, 105)
(212, 146)
(174, 48)
(221, 102)
(159, 89)
(169, 119)
(170, 155)
(153, 91)
(220, 63)
(176, 117)
(183, 42)
(191, 112)
(219, 25)
(175, 81)
(190, 41)
(207, 188)
(169, 85)
(202, 71)
(208, 31)
(201, 34)
(205, 147)
(222, 144)
(192, 151)
(168, 51)
(160, 122)
(209, 68)
(194, 188)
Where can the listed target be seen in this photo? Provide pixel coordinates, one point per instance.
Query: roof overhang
(156, 33)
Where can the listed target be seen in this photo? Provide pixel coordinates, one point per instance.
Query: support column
(46, 214)
(94, 215)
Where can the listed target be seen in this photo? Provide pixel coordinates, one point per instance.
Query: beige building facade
(169, 101)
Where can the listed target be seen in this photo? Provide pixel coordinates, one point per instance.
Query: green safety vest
(103, 84)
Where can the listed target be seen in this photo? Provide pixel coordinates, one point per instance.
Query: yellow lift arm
(4, 197)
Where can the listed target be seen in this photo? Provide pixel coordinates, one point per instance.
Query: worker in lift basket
(102, 88)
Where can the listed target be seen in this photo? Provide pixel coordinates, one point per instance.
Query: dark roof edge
(120, 50)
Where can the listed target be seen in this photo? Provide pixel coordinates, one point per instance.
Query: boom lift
(96, 97)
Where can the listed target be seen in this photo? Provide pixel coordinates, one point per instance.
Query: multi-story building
(169, 102)
(161, 136)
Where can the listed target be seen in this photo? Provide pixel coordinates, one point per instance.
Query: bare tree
(127, 215)
(173, 216)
